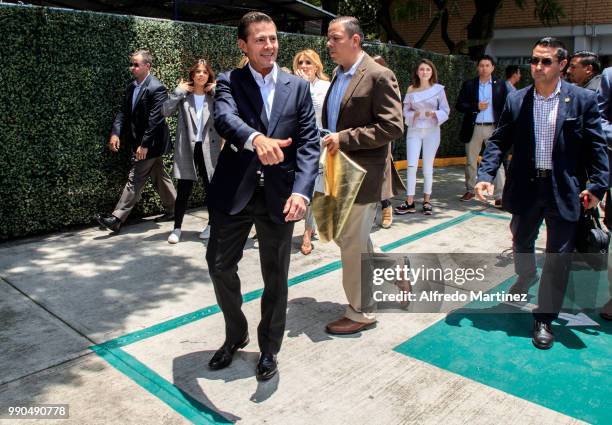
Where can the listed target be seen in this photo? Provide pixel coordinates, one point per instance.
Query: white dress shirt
(267, 88)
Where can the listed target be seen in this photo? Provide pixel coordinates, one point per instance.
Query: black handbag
(592, 239)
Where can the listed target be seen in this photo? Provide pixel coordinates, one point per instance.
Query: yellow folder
(342, 180)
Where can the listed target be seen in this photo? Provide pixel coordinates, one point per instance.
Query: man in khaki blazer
(363, 110)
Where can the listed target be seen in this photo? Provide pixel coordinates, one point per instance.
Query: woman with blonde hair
(425, 110)
(307, 65)
(197, 144)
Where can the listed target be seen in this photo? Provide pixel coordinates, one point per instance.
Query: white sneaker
(175, 236)
(205, 234)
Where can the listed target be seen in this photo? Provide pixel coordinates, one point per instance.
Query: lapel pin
(567, 100)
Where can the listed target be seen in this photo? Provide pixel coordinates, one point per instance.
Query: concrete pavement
(121, 327)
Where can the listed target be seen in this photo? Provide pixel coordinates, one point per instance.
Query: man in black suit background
(554, 130)
(265, 176)
(141, 125)
(481, 100)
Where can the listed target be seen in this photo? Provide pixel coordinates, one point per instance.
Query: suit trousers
(353, 242)
(140, 171)
(228, 235)
(560, 238)
(481, 135)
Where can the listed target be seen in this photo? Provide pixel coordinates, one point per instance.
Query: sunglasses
(134, 65)
(545, 61)
(304, 63)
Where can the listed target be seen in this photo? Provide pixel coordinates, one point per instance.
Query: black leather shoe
(267, 366)
(165, 217)
(109, 222)
(223, 356)
(543, 337)
(522, 284)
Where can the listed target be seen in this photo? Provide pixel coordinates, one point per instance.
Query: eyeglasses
(304, 63)
(545, 61)
(134, 65)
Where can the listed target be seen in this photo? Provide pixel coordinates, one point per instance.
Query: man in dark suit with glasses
(141, 126)
(559, 159)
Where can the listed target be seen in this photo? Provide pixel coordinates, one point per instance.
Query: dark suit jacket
(467, 102)
(239, 112)
(604, 97)
(579, 151)
(145, 125)
(370, 119)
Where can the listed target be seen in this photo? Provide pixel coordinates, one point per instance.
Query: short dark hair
(351, 26)
(554, 43)
(588, 58)
(486, 58)
(511, 70)
(247, 20)
(147, 57)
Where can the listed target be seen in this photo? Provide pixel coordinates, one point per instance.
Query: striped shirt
(544, 122)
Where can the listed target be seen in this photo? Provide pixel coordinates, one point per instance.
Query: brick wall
(584, 12)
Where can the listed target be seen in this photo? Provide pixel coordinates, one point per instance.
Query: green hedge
(61, 81)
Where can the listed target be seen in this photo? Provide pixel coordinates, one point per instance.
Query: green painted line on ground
(485, 343)
(171, 324)
(492, 215)
(437, 228)
(167, 392)
(181, 402)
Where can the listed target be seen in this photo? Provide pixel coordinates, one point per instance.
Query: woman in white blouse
(425, 109)
(307, 65)
(197, 143)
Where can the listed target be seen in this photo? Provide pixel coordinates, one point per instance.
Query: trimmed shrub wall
(62, 79)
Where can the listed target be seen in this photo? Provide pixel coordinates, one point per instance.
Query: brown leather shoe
(346, 326)
(467, 196)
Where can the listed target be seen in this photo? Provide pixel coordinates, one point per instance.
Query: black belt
(543, 172)
(484, 123)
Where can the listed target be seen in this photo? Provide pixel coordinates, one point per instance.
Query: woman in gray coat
(197, 144)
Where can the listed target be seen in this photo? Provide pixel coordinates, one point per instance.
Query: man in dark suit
(264, 176)
(604, 97)
(142, 126)
(555, 132)
(481, 100)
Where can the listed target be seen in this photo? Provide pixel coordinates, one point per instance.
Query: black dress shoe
(109, 222)
(267, 366)
(165, 217)
(543, 337)
(223, 356)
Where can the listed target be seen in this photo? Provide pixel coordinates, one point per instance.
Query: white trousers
(427, 139)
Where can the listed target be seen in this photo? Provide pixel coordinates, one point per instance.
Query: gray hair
(146, 56)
